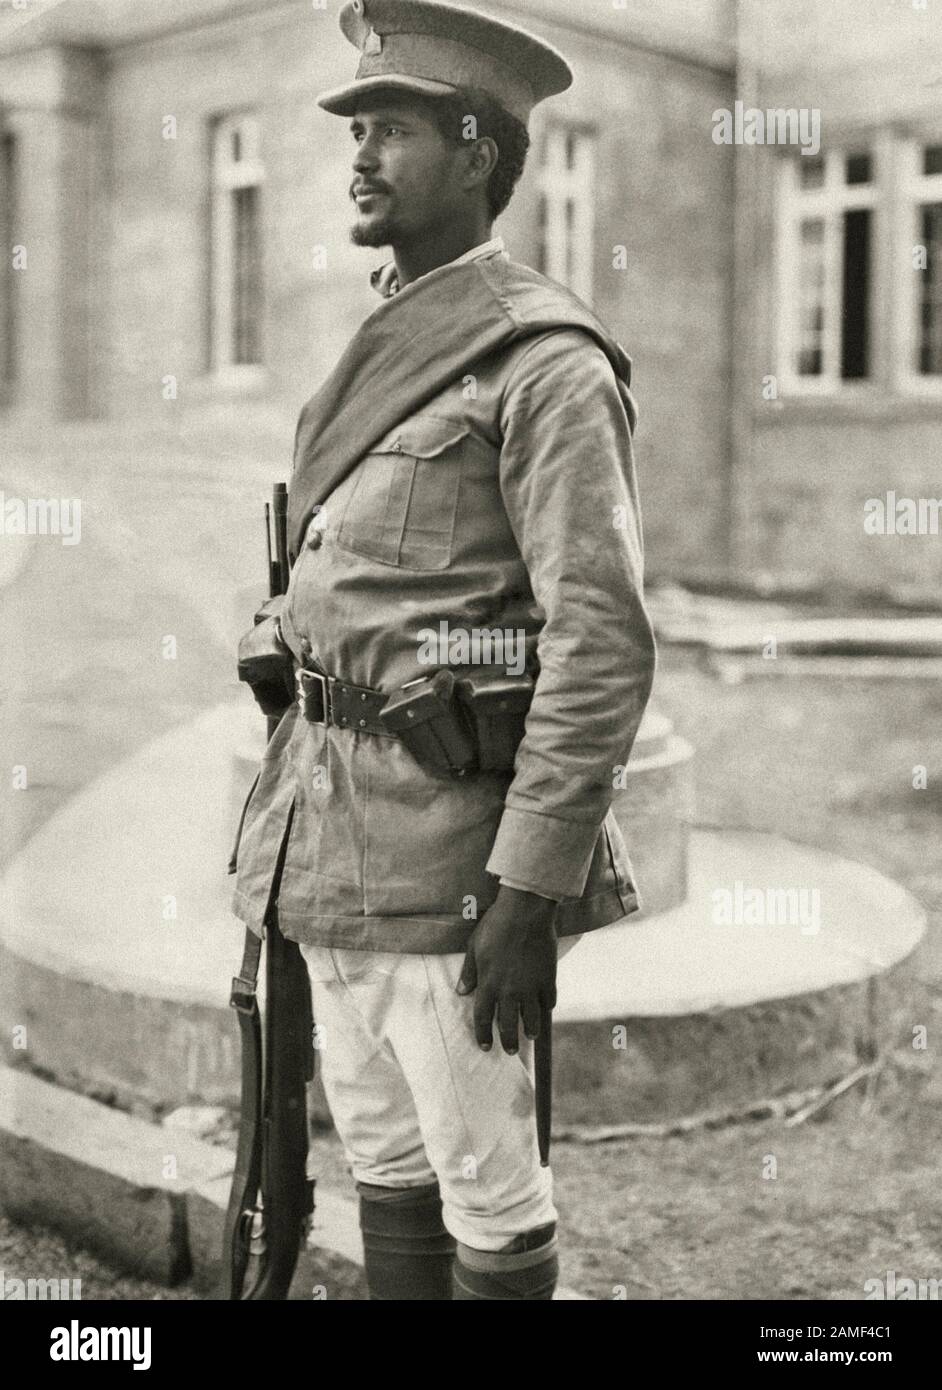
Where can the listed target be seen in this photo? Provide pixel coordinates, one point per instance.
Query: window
(237, 300)
(8, 283)
(924, 212)
(915, 321)
(811, 278)
(567, 207)
(826, 267)
(929, 347)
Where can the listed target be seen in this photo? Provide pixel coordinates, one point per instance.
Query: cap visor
(344, 101)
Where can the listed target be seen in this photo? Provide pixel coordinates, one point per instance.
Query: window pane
(855, 298)
(8, 285)
(932, 159)
(859, 168)
(246, 282)
(542, 252)
(570, 149)
(565, 239)
(811, 171)
(811, 299)
(930, 325)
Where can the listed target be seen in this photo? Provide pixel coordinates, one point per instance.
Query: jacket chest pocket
(402, 508)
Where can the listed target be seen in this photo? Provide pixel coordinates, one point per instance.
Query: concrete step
(727, 627)
(690, 1013)
(147, 1198)
(150, 1199)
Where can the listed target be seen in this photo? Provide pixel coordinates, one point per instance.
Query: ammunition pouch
(496, 705)
(265, 662)
(455, 724)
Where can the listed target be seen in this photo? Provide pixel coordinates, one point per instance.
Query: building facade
(175, 224)
(839, 293)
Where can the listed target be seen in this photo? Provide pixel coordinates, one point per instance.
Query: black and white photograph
(471, 629)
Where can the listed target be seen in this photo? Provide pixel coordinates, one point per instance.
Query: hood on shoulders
(537, 304)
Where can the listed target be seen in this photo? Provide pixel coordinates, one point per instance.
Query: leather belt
(327, 700)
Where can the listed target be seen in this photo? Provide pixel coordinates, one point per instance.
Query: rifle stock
(272, 1198)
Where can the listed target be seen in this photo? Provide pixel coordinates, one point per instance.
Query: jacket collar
(385, 280)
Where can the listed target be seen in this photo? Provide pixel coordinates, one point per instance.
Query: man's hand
(511, 967)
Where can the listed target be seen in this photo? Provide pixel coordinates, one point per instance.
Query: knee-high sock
(526, 1268)
(407, 1251)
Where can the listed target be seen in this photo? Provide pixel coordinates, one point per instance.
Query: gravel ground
(33, 1252)
(855, 1195)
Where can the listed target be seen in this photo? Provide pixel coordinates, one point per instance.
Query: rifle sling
(247, 1175)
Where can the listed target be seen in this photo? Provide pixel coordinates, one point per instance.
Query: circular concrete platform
(784, 983)
(117, 948)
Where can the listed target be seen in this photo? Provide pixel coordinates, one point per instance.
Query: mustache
(362, 186)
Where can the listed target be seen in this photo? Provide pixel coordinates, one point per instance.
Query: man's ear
(481, 158)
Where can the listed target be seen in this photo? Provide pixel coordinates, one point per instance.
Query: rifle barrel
(272, 577)
(279, 509)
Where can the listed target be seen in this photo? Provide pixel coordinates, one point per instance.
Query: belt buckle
(242, 997)
(302, 675)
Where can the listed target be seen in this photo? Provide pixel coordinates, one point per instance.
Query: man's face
(406, 174)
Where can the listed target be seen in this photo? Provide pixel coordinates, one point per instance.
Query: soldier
(467, 468)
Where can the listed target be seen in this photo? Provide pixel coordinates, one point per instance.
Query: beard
(377, 233)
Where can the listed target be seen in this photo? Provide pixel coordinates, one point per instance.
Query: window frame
(227, 175)
(829, 202)
(558, 185)
(9, 287)
(914, 190)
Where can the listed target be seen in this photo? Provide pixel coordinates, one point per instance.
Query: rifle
(272, 1199)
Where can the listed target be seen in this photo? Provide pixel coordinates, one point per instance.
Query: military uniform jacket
(505, 499)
